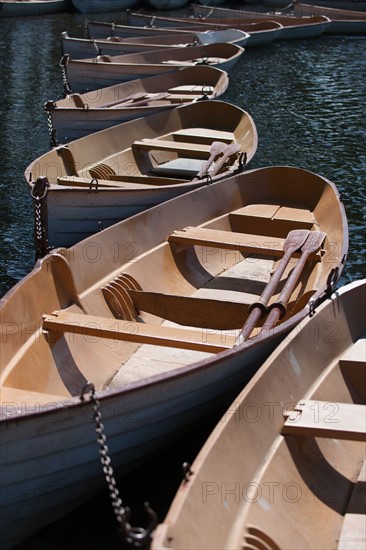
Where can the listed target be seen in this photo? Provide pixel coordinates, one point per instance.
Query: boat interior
(180, 302)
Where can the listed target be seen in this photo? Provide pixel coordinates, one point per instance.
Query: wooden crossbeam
(103, 327)
(190, 310)
(243, 242)
(312, 418)
(165, 145)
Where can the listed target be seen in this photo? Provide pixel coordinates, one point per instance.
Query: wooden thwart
(103, 327)
(191, 311)
(243, 242)
(165, 145)
(327, 419)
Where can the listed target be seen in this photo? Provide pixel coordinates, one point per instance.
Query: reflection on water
(306, 98)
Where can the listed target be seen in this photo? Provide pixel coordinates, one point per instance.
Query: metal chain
(38, 194)
(49, 106)
(135, 536)
(97, 47)
(63, 62)
(105, 459)
(38, 219)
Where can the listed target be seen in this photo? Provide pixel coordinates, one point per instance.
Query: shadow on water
(307, 100)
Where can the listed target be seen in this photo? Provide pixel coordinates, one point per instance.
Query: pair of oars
(308, 242)
(218, 148)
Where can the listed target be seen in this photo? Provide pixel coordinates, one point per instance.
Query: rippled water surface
(307, 100)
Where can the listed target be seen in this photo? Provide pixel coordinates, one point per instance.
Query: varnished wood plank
(192, 311)
(100, 327)
(243, 242)
(312, 418)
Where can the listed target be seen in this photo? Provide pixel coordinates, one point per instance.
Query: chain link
(63, 63)
(105, 459)
(134, 536)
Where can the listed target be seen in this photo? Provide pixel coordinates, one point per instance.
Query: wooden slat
(206, 133)
(355, 355)
(165, 145)
(192, 311)
(192, 89)
(100, 327)
(327, 419)
(122, 182)
(243, 242)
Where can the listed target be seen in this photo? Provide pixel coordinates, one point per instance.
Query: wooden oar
(217, 148)
(278, 309)
(230, 150)
(294, 241)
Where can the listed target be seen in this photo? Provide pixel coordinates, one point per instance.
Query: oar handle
(259, 308)
(278, 309)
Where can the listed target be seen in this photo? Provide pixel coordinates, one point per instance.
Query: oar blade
(313, 242)
(295, 240)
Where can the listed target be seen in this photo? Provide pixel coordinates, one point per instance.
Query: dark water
(307, 100)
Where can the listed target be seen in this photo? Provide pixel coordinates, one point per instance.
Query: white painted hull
(81, 48)
(304, 31)
(166, 4)
(59, 467)
(102, 6)
(77, 214)
(338, 4)
(20, 8)
(347, 27)
(87, 74)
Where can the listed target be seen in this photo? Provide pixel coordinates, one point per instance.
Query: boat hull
(285, 479)
(47, 423)
(31, 7)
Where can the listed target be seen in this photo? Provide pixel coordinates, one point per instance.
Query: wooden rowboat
(150, 311)
(291, 27)
(342, 21)
(285, 467)
(102, 178)
(21, 8)
(261, 32)
(82, 48)
(84, 75)
(334, 13)
(78, 115)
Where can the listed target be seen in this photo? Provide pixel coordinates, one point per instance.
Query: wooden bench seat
(243, 242)
(326, 419)
(166, 145)
(102, 327)
(191, 311)
(355, 356)
(272, 218)
(208, 134)
(191, 89)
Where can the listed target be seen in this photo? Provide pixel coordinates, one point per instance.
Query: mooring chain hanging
(38, 194)
(138, 537)
(97, 47)
(63, 62)
(50, 106)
